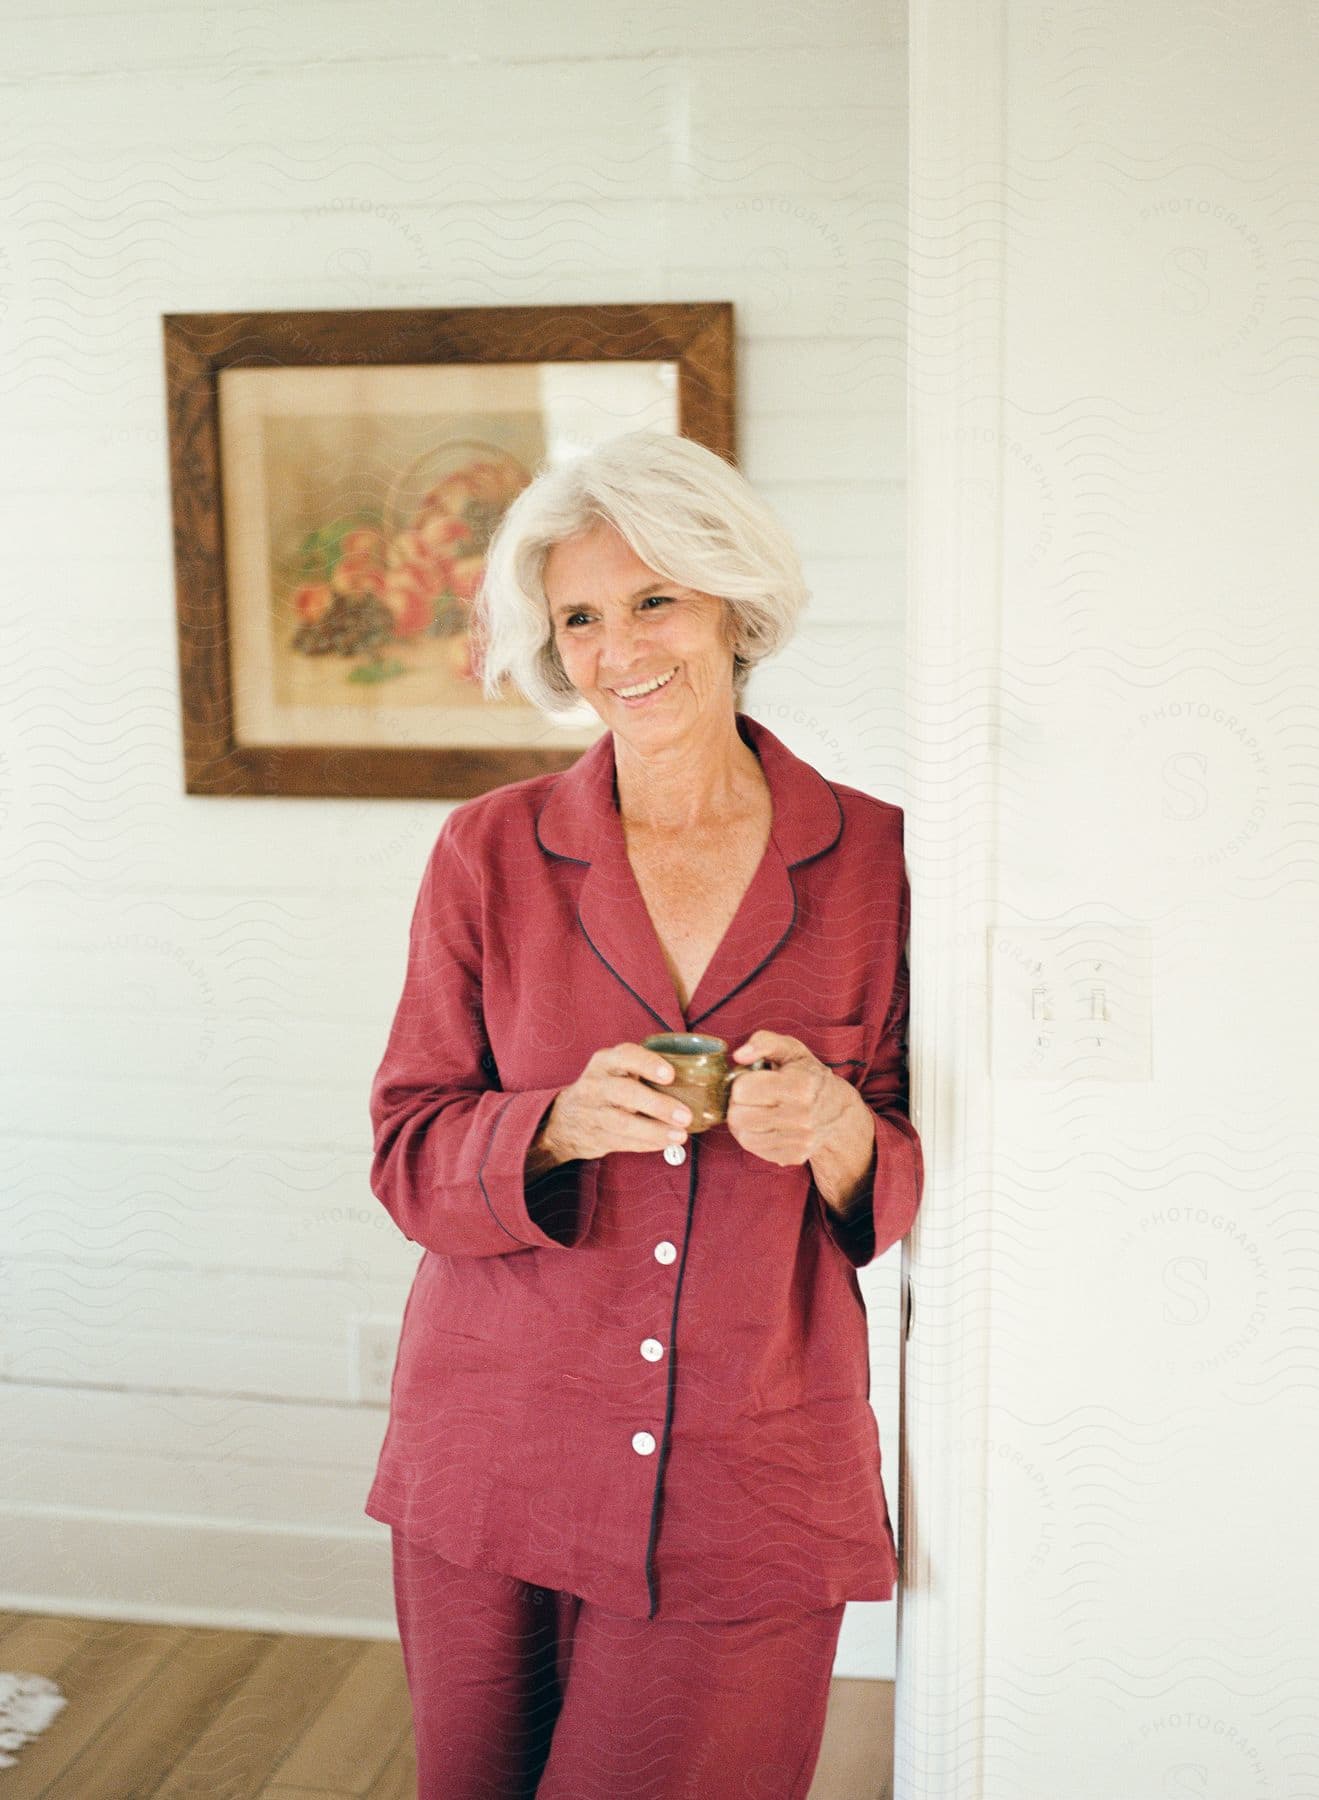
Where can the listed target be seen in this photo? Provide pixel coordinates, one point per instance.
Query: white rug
(28, 1703)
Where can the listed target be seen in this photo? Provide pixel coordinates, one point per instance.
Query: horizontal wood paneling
(198, 990)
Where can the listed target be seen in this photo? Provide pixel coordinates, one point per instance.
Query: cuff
(552, 1212)
(883, 1210)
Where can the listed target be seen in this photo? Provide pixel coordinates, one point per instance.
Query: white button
(675, 1153)
(665, 1252)
(643, 1443)
(651, 1349)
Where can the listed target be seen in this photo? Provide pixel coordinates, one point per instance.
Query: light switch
(373, 1348)
(1071, 1003)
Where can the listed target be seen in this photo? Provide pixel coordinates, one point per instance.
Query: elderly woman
(631, 1469)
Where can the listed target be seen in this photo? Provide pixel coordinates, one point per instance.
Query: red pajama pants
(519, 1691)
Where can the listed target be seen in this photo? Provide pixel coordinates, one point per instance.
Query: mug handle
(761, 1062)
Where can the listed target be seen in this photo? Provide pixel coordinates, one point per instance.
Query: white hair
(685, 511)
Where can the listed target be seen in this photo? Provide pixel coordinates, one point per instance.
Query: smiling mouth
(645, 687)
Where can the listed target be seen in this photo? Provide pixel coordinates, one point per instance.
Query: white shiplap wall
(197, 990)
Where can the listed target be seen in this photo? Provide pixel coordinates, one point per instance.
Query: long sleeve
(450, 1147)
(883, 1215)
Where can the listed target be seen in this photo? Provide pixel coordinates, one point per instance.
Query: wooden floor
(158, 1711)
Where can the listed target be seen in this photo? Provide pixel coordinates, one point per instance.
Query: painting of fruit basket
(334, 493)
(369, 587)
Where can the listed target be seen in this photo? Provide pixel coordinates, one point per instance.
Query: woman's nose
(624, 643)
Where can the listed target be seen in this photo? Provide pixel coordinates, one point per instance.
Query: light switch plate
(373, 1346)
(1071, 1003)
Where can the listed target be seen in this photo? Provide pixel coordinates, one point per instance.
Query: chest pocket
(841, 1047)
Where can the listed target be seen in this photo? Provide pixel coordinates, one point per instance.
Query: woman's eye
(571, 619)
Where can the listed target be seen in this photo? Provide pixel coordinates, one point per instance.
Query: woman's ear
(732, 633)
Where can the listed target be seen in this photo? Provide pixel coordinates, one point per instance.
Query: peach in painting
(312, 600)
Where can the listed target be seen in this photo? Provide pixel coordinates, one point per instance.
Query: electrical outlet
(373, 1345)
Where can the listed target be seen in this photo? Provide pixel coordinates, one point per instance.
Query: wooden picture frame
(259, 452)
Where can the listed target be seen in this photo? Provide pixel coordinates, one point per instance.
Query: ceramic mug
(701, 1074)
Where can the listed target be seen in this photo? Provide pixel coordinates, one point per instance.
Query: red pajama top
(643, 1378)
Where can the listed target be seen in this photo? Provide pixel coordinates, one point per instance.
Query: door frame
(958, 202)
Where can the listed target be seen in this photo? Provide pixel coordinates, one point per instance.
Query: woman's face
(619, 626)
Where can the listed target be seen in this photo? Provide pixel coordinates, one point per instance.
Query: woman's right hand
(609, 1107)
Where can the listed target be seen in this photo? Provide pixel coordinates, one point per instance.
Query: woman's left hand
(785, 1114)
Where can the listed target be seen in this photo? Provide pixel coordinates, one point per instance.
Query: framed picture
(336, 478)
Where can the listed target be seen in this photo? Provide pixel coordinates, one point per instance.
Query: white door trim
(957, 198)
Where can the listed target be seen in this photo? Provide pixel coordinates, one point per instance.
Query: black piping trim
(838, 807)
(690, 1024)
(724, 998)
(658, 1017)
(769, 954)
(673, 1379)
(585, 863)
(562, 855)
(480, 1175)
